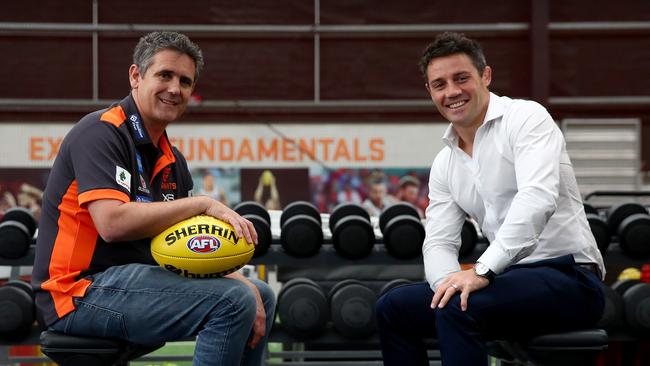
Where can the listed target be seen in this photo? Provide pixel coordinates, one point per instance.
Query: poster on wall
(274, 164)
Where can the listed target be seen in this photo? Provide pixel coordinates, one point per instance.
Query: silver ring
(455, 286)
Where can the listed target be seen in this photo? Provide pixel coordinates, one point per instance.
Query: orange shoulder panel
(114, 116)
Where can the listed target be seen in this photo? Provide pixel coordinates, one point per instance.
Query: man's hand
(464, 281)
(259, 325)
(242, 226)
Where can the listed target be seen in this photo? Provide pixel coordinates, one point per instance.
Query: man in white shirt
(505, 164)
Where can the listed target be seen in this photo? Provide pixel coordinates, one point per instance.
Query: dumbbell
(636, 299)
(402, 229)
(352, 309)
(303, 308)
(614, 312)
(393, 284)
(17, 229)
(352, 233)
(259, 216)
(468, 238)
(600, 230)
(589, 209)
(631, 223)
(17, 310)
(301, 231)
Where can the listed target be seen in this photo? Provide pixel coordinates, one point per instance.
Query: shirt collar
(496, 109)
(134, 121)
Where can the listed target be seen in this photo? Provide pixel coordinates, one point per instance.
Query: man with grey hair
(117, 181)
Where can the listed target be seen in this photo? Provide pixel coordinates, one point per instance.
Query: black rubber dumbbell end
(303, 308)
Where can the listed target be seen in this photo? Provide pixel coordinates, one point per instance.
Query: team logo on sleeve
(123, 177)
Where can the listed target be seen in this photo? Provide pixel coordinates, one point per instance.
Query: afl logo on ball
(203, 244)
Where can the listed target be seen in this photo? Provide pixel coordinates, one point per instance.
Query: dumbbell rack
(328, 257)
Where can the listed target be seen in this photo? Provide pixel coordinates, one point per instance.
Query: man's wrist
(484, 271)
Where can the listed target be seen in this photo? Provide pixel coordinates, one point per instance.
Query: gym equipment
(201, 247)
(352, 233)
(469, 238)
(303, 308)
(579, 347)
(301, 232)
(622, 286)
(637, 307)
(636, 303)
(613, 315)
(600, 230)
(352, 307)
(403, 231)
(17, 310)
(259, 216)
(631, 223)
(392, 284)
(589, 209)
(17, 229)
(630, 273)
(68, 350)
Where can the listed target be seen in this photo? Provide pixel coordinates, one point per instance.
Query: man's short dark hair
(152, 43)
(450, 43)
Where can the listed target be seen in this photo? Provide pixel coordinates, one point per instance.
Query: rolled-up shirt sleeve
(444, 221)
(537, 145)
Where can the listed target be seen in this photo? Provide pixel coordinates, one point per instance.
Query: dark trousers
(547, 296)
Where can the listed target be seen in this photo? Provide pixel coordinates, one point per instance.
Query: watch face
(481, 269)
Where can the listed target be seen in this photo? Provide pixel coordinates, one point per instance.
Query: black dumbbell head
(22, 215)
(301, 236)
(353, 237)
(299, 208)
(617, 213)
(301, 231)
(352, 307)
(637, 307)
(21, 285)
(613, 313)
(623, 285)
(600, 230)
(589, 209)
(303, 308)
(469, 238)
(397, 209)
(403, 237)
(259, 216)
(393, 284)
(15, 239)
(16, 312)
(634, 236)
(352, 233)
(254, 208)
(346, 209)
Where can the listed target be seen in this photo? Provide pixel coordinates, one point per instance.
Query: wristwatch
(484, 271)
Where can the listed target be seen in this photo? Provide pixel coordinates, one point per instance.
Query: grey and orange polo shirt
(106, 155)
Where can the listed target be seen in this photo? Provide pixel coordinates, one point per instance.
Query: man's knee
(384, 308)
(242, 298)
(266, 292)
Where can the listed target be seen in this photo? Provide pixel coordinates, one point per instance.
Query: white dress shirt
(518, 184)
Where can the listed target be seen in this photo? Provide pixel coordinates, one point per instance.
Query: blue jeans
(543, 297)
(148, 305)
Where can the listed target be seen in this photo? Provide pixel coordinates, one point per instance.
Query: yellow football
(201, 247)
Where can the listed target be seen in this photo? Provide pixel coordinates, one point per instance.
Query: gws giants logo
(203, 244)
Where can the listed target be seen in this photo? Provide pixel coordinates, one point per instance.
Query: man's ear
(134, 76)
(487, 75)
